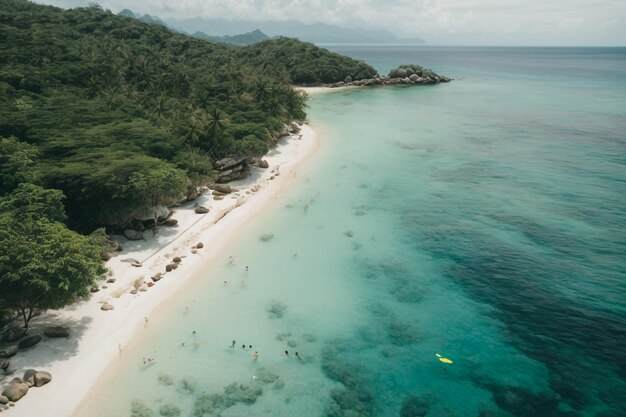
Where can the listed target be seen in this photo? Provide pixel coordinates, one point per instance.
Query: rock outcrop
(8, 352)
(221, 188)
(132, 234)
(29, 342)
(18, 387)
(29, 377)
(201, 210)
(42, 378)
(230, 169)
(192, 193)
(57, 331)
(15, 390)
(106, 307)
(294, 128)
(403, 75)
(170, 222)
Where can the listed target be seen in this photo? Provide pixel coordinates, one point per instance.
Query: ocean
(483, 221)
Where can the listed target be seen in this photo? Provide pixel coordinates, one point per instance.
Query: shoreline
(98, 337)
(325, 89)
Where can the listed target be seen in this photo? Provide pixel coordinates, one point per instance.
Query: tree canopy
(43, 264)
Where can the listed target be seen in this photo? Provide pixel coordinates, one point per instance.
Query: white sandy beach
(325, 89)
(78, 362)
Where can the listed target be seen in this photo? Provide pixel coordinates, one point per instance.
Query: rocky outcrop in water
(403, 75)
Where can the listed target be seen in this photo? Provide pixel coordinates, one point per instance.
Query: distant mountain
(146, 18)
(246, 32)
(243, 39)
(316, 33)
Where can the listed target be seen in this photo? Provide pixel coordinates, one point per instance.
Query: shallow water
(483, 220)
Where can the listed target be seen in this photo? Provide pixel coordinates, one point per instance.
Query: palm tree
(195, 127)
(217, 122)
(160, 108)
(261, 90)
(202, 96)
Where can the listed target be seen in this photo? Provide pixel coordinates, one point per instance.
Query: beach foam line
(99, 337)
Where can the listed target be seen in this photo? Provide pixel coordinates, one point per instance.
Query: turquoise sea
(483, 220)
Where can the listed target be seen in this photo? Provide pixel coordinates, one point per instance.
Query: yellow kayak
(442, 359)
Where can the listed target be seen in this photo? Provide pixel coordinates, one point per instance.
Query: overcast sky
(452, 22)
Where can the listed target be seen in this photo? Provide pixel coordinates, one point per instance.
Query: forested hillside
(103, 116)
(120, 114)
(304, 62)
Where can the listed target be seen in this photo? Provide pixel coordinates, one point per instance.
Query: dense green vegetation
(296, 57)
(99, 105)
(43, 264)
(103, 116)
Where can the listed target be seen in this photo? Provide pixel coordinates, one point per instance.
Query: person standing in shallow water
(255, 355)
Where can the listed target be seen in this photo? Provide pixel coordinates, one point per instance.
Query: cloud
(442, 21)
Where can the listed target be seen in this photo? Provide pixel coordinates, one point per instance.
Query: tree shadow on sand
(49, 350)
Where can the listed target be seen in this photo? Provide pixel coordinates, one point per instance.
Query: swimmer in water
(255, 355)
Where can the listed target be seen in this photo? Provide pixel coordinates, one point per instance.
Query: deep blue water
(524, 208)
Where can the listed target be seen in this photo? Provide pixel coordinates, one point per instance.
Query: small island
(408, 74)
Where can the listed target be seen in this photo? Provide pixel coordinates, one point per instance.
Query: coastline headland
(403, 75)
